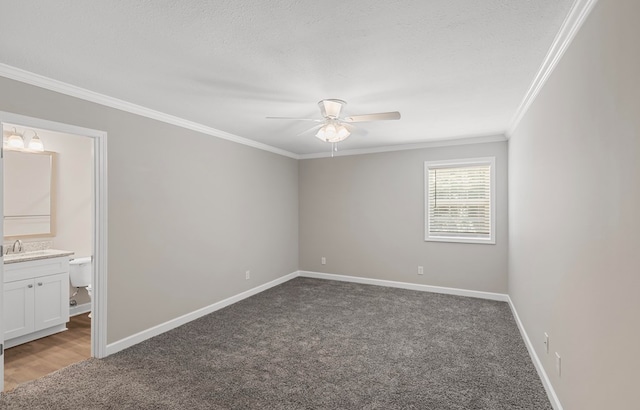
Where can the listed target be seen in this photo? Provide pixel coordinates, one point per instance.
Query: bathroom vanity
(36, 295)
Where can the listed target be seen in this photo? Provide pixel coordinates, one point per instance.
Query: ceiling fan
(332, 127)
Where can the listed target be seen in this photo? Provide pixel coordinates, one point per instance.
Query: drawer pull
(39, 283)
(29, 286)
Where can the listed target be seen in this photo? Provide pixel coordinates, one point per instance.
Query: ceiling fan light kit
(332, 132)
(335, 129)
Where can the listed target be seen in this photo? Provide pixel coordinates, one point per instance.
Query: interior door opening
(53, 275)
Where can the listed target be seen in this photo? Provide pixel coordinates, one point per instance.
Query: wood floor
(30, 361)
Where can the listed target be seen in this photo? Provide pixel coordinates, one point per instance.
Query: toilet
(80, 273)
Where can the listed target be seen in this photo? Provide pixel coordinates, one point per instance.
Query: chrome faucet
(19, 243)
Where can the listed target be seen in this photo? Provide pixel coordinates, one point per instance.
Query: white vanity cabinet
(35, 300)
(18, 307)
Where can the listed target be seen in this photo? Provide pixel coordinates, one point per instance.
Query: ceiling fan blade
(349, 127)
(294, 118)
(394, 115)
(317, 127)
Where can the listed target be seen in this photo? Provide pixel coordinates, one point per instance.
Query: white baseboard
(405, 285)
(551, 393)
(553, 398)
(179, 321)
(80, 309)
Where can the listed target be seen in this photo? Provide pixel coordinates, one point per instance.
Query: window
(460, 200)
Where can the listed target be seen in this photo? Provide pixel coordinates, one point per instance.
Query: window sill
(487, 241)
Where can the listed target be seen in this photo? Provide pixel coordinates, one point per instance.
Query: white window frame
(460, 163)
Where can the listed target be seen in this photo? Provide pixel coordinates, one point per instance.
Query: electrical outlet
(323, 260)
(546, 342)
(558, 364)
(247, 275)
(420, 270)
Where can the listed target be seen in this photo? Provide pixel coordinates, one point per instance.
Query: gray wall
(74, 191)
(365, 214)
(74, 196)
(574, 196)
(188, 213)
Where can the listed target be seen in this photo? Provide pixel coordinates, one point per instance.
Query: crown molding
(572, 23)
(469, 139)
(38, 80)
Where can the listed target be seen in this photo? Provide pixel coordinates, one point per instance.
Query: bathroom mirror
(29, 194)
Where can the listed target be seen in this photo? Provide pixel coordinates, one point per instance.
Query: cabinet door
(18, 308)
(51, 300)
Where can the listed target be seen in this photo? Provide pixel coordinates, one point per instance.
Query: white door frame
(99, 279)
(2, 266)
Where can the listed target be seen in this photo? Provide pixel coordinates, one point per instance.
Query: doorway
(98, 143)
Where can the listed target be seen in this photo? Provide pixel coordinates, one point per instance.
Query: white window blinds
(459, 201)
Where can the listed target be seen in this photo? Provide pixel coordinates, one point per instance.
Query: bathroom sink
(21, 255)
(35, 255)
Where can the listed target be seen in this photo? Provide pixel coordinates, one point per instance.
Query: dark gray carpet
(313, 344)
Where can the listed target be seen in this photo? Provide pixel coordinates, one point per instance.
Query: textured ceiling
(453, 68)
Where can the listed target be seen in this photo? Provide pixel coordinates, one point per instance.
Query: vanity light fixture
(16, 141)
